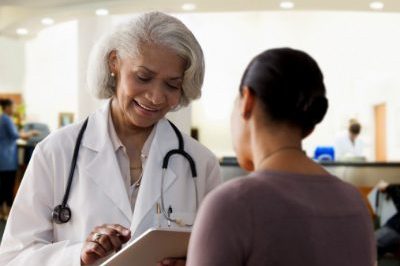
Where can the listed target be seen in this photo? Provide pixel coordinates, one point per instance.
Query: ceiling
(28, 13)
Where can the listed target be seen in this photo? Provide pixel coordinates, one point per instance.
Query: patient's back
(275, 218)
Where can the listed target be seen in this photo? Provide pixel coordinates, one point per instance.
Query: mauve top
(275, 218)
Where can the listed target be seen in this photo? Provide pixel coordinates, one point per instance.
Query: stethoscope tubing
(73, 162)
(164, 212)
(58, 210)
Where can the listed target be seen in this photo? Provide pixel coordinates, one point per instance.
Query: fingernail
(126, 231)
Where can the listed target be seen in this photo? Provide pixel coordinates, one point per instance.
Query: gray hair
(149, 28)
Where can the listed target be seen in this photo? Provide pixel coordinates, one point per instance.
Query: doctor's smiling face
(148, 85)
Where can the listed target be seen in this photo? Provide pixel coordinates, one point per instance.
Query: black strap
(180, 151)
(178, 135)
(73, 162)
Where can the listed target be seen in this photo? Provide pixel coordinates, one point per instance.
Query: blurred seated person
(388, 236)
(43, 131)
(348, 145)
(289, 210)
(9, 155)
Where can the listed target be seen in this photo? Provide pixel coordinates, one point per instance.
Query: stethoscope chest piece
(61, 214)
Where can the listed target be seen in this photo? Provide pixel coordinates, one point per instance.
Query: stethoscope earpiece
(61, 214)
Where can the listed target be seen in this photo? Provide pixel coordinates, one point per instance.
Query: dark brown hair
(290, 85)
(4, 103)
(355, 128)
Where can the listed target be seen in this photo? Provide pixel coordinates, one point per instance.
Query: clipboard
(151, 247)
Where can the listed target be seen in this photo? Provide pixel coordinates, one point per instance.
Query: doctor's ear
(113, 62)
(247, 102)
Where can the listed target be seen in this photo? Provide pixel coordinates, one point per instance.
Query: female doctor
(145, 68)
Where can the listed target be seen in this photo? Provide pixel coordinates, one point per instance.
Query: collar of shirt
(117, 144)
(123, 160)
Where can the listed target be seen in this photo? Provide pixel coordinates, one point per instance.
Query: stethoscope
(62, 213)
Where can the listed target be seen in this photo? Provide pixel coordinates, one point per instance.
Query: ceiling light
(376, 5)
(102, 12)
(287, 5)
(189, 7)
(21, 31)
(47, 21)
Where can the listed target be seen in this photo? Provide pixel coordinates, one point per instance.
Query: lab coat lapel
(150, 189)
(103, 169)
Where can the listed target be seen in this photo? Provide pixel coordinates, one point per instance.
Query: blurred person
(349, 145)
(146, 68)
(9, 155)
(289, 210)
(388, 235)
(43, 131)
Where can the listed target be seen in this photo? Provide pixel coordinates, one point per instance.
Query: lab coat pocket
(183, 218)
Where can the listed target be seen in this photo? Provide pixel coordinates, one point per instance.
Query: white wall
(358, 53)
(51, 74)
(12, 65)
(89, 31)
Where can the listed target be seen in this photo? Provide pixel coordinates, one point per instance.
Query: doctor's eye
(143, 78)
(173, 86)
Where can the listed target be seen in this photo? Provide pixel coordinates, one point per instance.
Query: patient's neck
(277, 147)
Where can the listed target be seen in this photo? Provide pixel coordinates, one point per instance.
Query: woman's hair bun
(316, 110)
(290, 85)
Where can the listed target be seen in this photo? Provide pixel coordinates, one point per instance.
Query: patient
(289, 210)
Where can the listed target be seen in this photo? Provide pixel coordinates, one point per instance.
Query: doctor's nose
(157, 96)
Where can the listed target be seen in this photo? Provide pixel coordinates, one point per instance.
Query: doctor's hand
(102, 241)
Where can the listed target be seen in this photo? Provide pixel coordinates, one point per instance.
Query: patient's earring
(112, 80)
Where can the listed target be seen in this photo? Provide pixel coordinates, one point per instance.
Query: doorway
(380, 132)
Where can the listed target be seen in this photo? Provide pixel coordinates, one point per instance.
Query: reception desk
(361, 174)
(365, 174)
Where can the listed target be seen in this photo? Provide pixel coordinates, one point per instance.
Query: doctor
(349, 145)
(146, 68)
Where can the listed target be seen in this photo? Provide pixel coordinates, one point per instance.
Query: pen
(158, 211)
(169, 215)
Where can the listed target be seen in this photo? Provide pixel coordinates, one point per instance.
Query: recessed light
(47, 21)
(376, 5)
(21, 31)
(287, 5)
(189, 6)
(102, 12)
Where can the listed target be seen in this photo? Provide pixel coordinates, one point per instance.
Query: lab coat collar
(150, 190)
(103, 169)
(109, 178)
(97, 129)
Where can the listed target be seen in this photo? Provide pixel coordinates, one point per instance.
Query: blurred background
(45, 44)
(44, 47)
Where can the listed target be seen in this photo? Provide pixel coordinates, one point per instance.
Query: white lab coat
(98, 195)
(346, 149)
